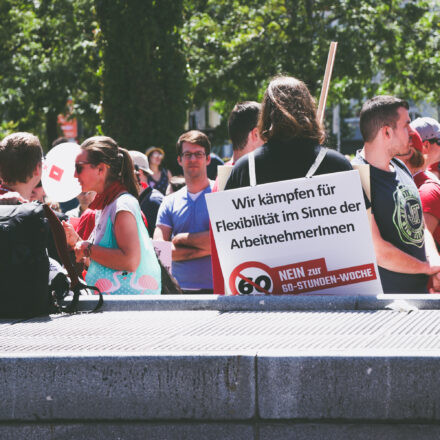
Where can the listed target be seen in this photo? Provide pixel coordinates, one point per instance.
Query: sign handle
(326, 83)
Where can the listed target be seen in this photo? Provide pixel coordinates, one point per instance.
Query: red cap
(416, 141)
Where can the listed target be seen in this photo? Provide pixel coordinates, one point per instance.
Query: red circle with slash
(252, 278)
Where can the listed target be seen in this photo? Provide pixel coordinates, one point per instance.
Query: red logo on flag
(56, 173)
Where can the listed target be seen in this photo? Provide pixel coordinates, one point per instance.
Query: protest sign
(58, 176)
(163, 252)
(295, 236)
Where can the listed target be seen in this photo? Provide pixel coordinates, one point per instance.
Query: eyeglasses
(434, 141)
(80, 165)
(198, 155)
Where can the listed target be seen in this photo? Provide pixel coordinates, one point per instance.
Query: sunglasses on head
(434, 141)
(79, 166)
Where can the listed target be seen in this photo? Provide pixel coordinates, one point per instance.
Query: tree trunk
(51, 128)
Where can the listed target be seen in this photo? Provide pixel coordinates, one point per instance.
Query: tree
(235, 46)
(144, 79)
(48, 54)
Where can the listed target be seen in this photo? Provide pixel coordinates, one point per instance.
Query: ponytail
(126, 173)
(105, 149)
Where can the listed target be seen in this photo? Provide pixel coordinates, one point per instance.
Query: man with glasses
(183, 216)
(427, 182)
(405, 251)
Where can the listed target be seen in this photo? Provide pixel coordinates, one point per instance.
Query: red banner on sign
(308, 276)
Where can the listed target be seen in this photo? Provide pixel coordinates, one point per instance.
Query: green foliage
(144, 79)
(134, 68)
(48, 55)
(235, 46)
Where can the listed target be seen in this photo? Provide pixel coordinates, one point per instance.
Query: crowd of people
(129, 198)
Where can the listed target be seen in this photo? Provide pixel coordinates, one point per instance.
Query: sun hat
(152, 149)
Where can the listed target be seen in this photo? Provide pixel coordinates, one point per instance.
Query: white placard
(163, 251)
(296, 236)
(223, 173)
(59, 182)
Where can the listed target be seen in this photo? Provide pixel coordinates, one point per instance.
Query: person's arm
(431, 221)
(11, 198)
(390, 257)
(179, 252)
(128, 254)
(71, 235)
(197, 239)
(431, 250)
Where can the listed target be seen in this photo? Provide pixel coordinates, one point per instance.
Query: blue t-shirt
(396, 206)
(182, 214)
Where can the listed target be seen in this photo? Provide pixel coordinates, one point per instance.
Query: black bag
(170, 286)
(24, 264)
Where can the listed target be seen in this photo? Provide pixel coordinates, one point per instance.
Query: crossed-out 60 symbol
(251, 278)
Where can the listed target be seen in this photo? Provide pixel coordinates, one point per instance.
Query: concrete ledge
(216, 431)
(349, 388)
(341, 431)
(118, 431)
(127, 388)
(261, 303)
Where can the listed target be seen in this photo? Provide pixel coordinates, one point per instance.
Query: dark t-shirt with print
(398, 213)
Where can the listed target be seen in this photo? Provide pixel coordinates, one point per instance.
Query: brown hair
(289, 111)
(242, 120)
(20, 153)
(378, 112)
(105, 149)
(194, 137)
(416, 160)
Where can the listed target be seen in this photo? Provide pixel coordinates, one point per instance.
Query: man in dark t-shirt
(405, 250)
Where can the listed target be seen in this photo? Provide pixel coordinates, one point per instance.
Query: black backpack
(24, 263)
(25, 232)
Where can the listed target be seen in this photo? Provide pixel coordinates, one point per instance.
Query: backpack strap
(401, 165)
(61, 245)
(317, 162)
(252, 175)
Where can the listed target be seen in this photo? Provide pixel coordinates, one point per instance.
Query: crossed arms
(186, 245)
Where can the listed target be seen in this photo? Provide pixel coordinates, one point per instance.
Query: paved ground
(381, 332)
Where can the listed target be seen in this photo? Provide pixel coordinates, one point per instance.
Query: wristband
(88, 250)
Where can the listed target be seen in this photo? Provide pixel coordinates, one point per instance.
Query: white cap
(141, 161)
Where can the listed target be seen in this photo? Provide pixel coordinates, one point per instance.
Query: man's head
(429, 131)
(385, 118)
(20, 158)
(141, 165)
(193, 149)
(242, 126)
(414, 160)
(289, 111)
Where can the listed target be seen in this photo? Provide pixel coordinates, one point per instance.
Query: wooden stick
(326, 83)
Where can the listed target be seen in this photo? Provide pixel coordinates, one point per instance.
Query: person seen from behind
(293, 138)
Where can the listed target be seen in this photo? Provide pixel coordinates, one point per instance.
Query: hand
(71, 236)
(180, 239)
(432, 270)
(435, 282)
(11, 198)
(79, 249)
